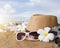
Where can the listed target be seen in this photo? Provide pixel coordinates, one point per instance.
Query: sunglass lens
(33, 35)
(20, 36)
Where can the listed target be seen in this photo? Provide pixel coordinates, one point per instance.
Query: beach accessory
(45, 36)
(31, 35)
(41, 34)
(39, 21)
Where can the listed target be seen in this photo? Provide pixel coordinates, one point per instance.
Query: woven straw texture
(38, 21)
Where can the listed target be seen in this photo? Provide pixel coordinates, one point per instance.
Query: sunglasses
(23, 35)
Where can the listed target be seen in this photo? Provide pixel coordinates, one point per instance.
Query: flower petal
(41, 37)
(47, 29)
(40, 31)
(46, 39)
(22, 28)
(51, 36)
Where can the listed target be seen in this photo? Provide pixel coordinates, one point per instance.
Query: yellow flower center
(45, 34)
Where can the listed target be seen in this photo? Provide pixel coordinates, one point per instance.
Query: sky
(18, 10)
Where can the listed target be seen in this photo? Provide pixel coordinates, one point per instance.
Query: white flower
(44, 35)
(20, 28)
(23, 26)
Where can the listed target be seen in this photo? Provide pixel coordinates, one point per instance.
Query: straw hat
(38, 21)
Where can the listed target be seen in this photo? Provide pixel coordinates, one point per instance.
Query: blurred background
(22, 10)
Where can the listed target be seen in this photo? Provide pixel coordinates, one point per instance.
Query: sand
(8, 40)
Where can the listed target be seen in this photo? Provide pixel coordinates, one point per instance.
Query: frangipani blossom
(17, 28)
(23, 26)
(44, 35)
